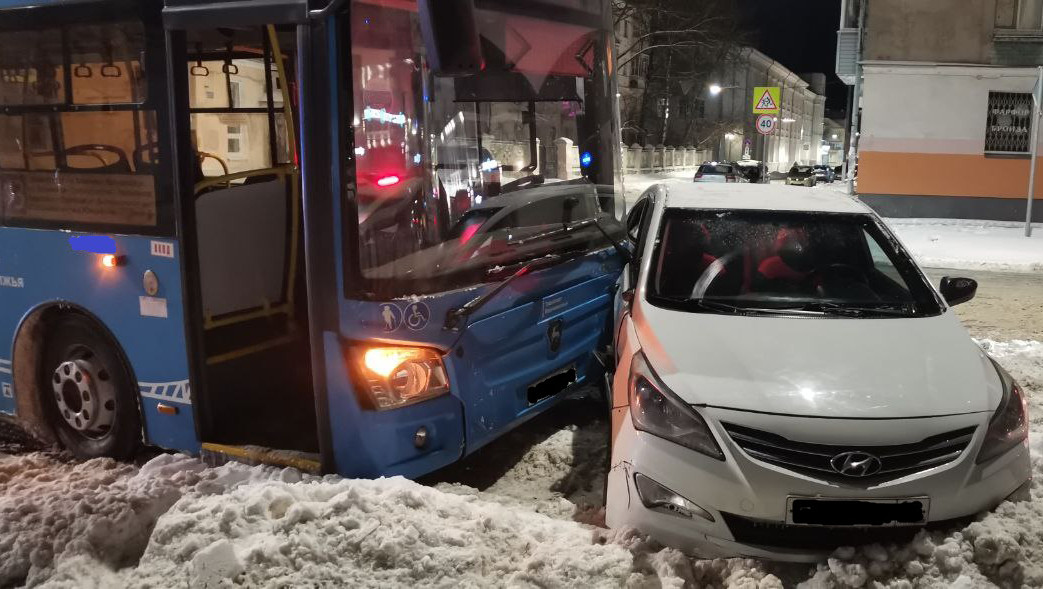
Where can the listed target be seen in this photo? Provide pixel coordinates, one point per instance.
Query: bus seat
(242, 246)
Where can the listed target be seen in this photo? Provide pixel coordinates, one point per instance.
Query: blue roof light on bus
(585, 159)
(95, 244)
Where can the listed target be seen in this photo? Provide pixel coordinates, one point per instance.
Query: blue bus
(363, 236)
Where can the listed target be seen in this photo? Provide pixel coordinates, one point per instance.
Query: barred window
(1009, 122)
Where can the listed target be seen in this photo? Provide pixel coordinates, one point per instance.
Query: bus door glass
(483, 199)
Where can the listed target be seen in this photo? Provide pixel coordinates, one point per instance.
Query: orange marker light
(112, 260)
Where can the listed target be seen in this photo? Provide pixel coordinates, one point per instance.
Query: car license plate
(818, 511)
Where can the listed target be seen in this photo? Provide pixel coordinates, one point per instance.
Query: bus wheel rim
(85, 395)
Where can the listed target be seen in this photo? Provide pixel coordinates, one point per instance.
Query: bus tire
(88, 393)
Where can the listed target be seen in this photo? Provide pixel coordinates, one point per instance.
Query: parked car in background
(825, 174)
(755, 172)
(718, 172)
(801, 176)
(788, 381)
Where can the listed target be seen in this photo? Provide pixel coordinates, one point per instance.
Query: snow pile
(52, 509)
(971, 245)
(359, 533)
(561, 475)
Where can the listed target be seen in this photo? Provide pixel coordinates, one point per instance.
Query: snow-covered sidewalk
(972, 245)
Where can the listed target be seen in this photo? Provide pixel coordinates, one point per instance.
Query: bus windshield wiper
(564, 229)
(457, 315)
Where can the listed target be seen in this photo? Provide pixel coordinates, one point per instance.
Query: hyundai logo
(855, 464)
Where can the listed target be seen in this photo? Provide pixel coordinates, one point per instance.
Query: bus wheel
(92, 407)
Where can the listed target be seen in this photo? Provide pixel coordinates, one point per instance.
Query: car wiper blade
(706, 306)
(895, 310)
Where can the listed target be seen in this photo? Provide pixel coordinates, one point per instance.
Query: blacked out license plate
(858, 512)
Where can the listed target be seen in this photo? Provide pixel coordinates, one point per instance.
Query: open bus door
(236, 96)
(478, 177)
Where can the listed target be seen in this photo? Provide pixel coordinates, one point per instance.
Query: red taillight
(698, 175)
(730, 178)
(388, 181)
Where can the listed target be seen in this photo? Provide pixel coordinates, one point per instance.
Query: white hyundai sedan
(788, 381)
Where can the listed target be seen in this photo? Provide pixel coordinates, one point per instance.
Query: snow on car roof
(759, 197)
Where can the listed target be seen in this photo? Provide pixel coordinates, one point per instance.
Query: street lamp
(716, 89)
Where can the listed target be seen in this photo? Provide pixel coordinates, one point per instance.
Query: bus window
(90, 159)
(238, 124)
(523, 136)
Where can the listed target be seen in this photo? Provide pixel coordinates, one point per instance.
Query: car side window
(634, 218)
(881, 261)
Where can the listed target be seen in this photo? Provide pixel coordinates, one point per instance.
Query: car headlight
(1009, 425)
(657, 411)
(395, 376)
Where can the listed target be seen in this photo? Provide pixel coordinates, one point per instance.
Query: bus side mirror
(450, 33)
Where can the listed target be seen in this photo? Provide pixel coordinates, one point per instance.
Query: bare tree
(677, 44)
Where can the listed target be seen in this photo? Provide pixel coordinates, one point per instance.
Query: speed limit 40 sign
(765, 124)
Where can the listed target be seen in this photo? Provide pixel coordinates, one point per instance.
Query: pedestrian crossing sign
(766, 100)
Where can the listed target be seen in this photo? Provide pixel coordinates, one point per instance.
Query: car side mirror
(958, 290)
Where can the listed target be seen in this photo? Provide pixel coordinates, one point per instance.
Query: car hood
(824, 367)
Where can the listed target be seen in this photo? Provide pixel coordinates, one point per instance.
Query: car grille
(814, 459)
(776, 534)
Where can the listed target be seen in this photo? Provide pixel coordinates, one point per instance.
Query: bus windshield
(456, 175)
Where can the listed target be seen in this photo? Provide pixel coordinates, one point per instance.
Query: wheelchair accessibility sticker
(417, 315)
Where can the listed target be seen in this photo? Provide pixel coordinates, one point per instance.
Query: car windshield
(800, 170)
(716, 169)
(783, 262)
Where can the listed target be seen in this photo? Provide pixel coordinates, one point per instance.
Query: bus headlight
(396, 376)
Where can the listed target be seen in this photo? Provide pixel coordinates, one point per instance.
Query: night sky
(801, 35)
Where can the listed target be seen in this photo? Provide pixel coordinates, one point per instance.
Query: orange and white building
(946, 105)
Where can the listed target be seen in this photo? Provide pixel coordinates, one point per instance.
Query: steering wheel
(121, 163)
(520, 183)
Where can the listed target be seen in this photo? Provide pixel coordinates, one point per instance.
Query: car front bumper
(748, 499)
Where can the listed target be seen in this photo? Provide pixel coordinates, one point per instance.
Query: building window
(1008, 123)
(235, 139)
(1019, 14)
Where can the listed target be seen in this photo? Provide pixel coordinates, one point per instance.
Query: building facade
(946, 105)
(799, 129)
